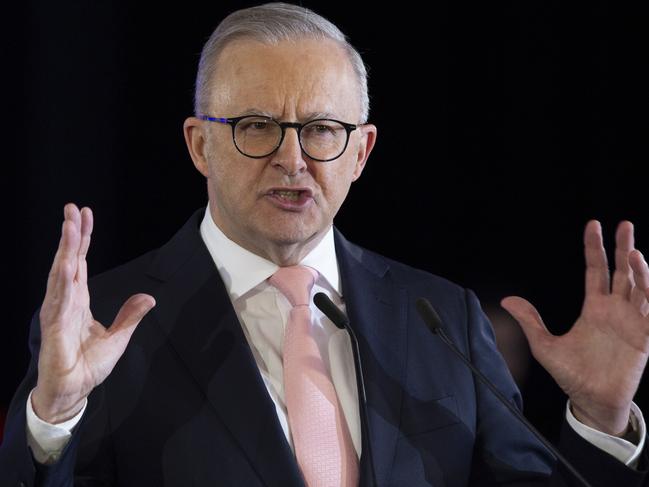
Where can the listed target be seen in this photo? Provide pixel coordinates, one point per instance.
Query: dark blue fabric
(186, 405)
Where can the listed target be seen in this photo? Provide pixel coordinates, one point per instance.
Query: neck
(286, 255)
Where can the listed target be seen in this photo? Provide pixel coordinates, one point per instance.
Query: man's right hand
(77, 352)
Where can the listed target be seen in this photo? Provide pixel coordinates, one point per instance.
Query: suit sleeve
(509, 455)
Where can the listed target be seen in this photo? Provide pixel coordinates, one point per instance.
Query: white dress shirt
(263, 311)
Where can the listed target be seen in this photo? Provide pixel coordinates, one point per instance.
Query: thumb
(529, 319)
(129, 316)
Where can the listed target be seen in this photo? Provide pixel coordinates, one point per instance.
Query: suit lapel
(377, 310)
(196, 314)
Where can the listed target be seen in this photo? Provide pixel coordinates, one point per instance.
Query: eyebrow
(308, 116)
(316, 115)
(256, 111)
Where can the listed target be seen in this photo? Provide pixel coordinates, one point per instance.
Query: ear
(365, 146)
(195, 138)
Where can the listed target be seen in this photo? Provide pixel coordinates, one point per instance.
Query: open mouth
(288, 195)
(293, 199)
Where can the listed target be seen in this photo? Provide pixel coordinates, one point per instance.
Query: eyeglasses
(257, 136)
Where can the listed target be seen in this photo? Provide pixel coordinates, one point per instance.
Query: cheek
(335, 184)
(226, 183)
(227, 172)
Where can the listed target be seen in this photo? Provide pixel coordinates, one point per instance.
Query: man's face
(292, 82)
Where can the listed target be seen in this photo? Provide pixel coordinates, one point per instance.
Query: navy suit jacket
(186, 405)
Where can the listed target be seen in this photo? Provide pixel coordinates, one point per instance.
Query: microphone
(331, 311)
(434, 323)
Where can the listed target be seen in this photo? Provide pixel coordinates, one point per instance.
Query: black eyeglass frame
(233, 121)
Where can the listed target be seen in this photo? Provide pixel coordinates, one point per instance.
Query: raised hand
(77, 352)
(600, 361)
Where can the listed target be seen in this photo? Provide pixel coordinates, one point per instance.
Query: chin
(290, 237)
(292, 234)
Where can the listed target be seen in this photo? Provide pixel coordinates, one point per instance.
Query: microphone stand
(434, 323)
(331, 311)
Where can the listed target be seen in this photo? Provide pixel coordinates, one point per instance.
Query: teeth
(291, 195)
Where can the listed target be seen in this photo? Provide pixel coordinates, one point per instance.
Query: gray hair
(270, 24)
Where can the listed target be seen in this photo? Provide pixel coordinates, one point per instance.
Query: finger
(597, 276)
(86, 231)
(64, 265)
(640, 292)
(128, 317)
(70, 248)
(623, 275)
(538, 336)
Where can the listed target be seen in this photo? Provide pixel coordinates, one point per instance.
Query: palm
(77, 352)
(600, 361)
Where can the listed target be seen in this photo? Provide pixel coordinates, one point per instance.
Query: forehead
(291, 78)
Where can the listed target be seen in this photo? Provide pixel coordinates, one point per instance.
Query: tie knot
(295, 282)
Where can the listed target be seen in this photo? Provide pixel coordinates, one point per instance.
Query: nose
(289, 156)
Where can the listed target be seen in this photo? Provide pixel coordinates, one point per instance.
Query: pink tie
(323, 445)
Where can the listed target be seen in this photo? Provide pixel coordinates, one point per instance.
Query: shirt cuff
(623, 450)
(47, 440)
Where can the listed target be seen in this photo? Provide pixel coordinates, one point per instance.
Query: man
(190, 385)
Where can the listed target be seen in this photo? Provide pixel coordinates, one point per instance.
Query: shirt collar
(242, 270)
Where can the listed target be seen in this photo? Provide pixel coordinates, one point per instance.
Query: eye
(254, 125)
(322, 128)
(259, 125)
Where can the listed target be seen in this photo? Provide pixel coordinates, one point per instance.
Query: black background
(503, 128)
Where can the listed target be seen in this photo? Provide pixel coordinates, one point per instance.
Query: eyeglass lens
(320, 139)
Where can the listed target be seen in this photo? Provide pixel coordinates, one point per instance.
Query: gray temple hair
(270, 24)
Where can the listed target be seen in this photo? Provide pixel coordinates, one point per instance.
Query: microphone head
(429, 315)
(330, 310)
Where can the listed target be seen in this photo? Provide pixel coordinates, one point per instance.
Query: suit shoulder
(411, 277)
(120, 282)
(143, 274)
